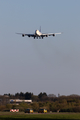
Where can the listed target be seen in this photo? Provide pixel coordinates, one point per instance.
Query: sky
(50, 65)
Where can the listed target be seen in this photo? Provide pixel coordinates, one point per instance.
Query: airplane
(38, 34)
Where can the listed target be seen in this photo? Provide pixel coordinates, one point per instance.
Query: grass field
(23, 116)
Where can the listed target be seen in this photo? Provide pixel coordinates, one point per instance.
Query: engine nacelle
(23, 35)
(53, 34)
(46, 35)
(28, 35)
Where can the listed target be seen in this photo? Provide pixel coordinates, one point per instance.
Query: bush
(35, 106)
(76, 109)
(2, 107)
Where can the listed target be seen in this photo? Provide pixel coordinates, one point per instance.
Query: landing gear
(34, 37)
(42, 37)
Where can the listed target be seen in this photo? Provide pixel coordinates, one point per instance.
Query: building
(58, 95)
(18, 101)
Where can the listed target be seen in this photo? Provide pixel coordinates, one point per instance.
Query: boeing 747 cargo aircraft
(38, 34)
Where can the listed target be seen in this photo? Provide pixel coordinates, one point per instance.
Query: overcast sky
(50, 65)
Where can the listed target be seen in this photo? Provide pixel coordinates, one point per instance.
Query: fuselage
(38, 33)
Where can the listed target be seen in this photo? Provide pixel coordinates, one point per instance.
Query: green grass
(23, 116)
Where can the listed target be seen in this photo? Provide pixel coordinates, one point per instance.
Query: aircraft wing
(50, 34)
(23, 34)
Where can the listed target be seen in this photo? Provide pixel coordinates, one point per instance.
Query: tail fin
(40, 29)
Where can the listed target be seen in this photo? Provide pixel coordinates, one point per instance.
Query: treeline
(43, 97)
(27, 96)
(55, 104)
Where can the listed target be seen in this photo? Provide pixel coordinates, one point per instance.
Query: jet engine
(53, 34)
(23, 35)
(46, 35)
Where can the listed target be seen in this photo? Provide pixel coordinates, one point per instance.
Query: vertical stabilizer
(40, 29)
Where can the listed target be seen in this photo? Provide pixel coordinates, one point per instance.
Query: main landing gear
(38, 37)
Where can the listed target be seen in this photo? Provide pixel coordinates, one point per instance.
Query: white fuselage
(38, 33)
